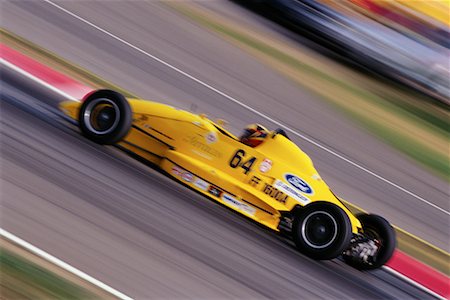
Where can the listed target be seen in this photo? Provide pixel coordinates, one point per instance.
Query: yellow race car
(273, 183)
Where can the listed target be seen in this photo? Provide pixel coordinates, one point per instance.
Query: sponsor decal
(211, 137)
(186, 176)
(215, 191)
(180, 172)
(292, 192)
(254, 181)
(298, 183)
(177, 171)
(275, 193)
(202, 154)
(265, 165)
(201, 184)
(199, 144)
(230, 200)
(248, 209)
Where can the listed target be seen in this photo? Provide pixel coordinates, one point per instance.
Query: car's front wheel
(322, 231)
(105, 117)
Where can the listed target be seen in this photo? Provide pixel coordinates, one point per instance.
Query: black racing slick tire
(376, 227)
(322, 231)
(105, 117)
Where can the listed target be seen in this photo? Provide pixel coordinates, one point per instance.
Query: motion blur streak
(407, 279)
(36, 79)
(250, 109)
(7, 235)
(429, 278)
(69, 87)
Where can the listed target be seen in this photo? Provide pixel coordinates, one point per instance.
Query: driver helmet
(254, 135)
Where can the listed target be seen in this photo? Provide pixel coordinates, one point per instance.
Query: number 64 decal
(238, 161)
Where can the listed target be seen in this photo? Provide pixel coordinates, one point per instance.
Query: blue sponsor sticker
(298, 183)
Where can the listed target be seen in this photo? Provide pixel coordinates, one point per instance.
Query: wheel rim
(319, 229)
(101, 116)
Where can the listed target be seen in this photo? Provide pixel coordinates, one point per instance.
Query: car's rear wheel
(378, 234)
(105, 117)
(322, 231)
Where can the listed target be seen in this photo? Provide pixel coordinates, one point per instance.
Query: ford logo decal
(298, 183)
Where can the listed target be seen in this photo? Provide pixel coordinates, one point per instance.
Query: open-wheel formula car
(274, 183)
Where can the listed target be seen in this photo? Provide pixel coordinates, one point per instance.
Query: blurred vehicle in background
(393, 51)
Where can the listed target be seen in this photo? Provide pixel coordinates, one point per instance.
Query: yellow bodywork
(260, 183)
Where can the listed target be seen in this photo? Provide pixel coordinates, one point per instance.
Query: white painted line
(248, 107)
(34, 78)
(62, 264)
(412, 282)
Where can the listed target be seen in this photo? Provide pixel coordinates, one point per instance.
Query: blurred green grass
(414, 112)
(22, 279)
(425, 155)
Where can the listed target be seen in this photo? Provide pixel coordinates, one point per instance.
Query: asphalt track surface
(143, 234)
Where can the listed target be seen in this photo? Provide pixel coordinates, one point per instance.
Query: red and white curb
(56, 261)
(401, 264)
(57, 82)
(419, 274)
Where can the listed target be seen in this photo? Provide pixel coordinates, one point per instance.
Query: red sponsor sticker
(187, 176)
(265, 165)
(177, 171)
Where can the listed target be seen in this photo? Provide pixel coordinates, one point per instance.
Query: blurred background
(363, 80)
(402, 40)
